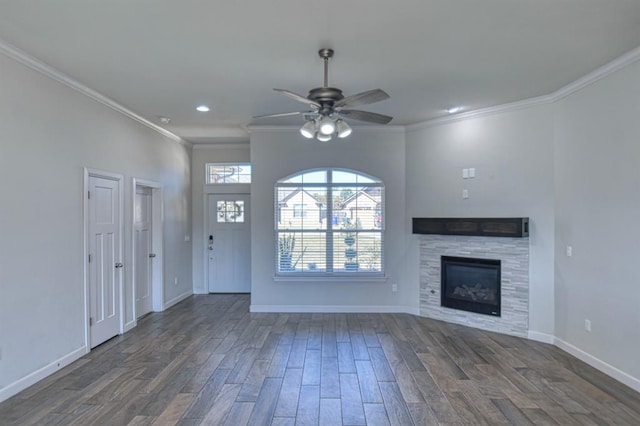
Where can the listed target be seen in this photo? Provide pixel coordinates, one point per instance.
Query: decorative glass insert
(225, 173)
(230, 211)
(329, 222)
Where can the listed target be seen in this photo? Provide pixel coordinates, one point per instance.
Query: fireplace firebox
(471, 284)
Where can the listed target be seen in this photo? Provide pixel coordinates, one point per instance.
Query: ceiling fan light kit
(329, 108)
(343, 129)
(326, 126)
(323, 138)
(308, 130)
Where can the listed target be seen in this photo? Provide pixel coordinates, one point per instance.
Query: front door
(105, 267)
(228, 242)
(143, 252)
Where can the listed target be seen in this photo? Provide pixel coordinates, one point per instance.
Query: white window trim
(360, 276)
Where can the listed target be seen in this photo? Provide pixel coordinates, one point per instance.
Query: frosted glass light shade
(326, 126)
(308, 130)
(343, 129)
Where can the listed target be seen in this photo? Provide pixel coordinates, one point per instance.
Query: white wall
(597, 199)
(276, 153)
(49, 133)
(203, 154)
(512, 153)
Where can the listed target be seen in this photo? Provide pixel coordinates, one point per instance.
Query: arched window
(329, 222)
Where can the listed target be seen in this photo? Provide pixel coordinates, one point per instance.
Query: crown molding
(579, 84)
(49, 71)
(512, 106)
(598, 74)
(205, 146)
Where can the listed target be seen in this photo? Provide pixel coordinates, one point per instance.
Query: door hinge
(90, 321)
(89, 258)
(89, 194)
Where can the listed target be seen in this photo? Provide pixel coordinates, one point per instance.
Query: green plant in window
(286, 245)
(371, 255)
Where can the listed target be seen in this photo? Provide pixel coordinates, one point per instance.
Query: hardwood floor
(209, 361)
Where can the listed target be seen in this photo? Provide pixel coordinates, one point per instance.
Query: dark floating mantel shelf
(512, 227)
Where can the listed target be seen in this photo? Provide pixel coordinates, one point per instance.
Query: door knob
(119, 265)
(152, 255)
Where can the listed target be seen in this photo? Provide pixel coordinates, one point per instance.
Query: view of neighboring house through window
(329, 222)
(299, 211)
(222, 173)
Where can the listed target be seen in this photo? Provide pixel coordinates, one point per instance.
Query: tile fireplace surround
(514, 256)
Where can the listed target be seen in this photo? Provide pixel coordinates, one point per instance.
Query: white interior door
(143, 250)
(229, 243)
(105, 267)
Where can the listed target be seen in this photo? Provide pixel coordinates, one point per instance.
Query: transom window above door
(329, 222)
(228, 173)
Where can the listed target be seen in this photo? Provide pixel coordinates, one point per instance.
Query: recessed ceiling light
(203, 108)
(164, 120)
(453, 110)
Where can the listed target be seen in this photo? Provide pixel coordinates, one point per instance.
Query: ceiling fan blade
(363, 98)
(298, 98)
(281, 114)
(371, 117)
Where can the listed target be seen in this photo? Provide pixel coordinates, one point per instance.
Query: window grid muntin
(243, 177)
(330, 231)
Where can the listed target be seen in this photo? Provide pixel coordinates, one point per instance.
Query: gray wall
(597, 198)
(215, 153)
(49, 133)
(512, 153)
(277, 153)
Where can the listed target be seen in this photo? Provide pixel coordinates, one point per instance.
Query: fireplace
(471, 284)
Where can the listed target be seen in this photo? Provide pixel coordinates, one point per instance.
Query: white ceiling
(164, 57)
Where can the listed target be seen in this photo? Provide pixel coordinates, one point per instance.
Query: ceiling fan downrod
(326, 54)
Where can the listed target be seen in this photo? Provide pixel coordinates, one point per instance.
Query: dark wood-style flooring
(209, 361)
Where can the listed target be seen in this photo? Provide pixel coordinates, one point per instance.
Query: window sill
(329, 278)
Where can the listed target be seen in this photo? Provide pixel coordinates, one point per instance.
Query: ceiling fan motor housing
(325, 94)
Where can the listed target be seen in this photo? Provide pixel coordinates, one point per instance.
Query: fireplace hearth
(471, 284)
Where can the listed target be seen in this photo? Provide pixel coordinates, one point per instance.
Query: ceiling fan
(329, 107)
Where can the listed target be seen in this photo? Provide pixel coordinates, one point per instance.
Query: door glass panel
(230, 211)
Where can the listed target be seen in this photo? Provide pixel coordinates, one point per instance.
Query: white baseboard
(32, 378)
(176, 300)
(335, 309)
(541, 337)
(130, 325)
(598, 364)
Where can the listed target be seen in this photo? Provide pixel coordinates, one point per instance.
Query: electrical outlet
(394, 287)
(569, 251)
(587, 325)
(465, 194)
